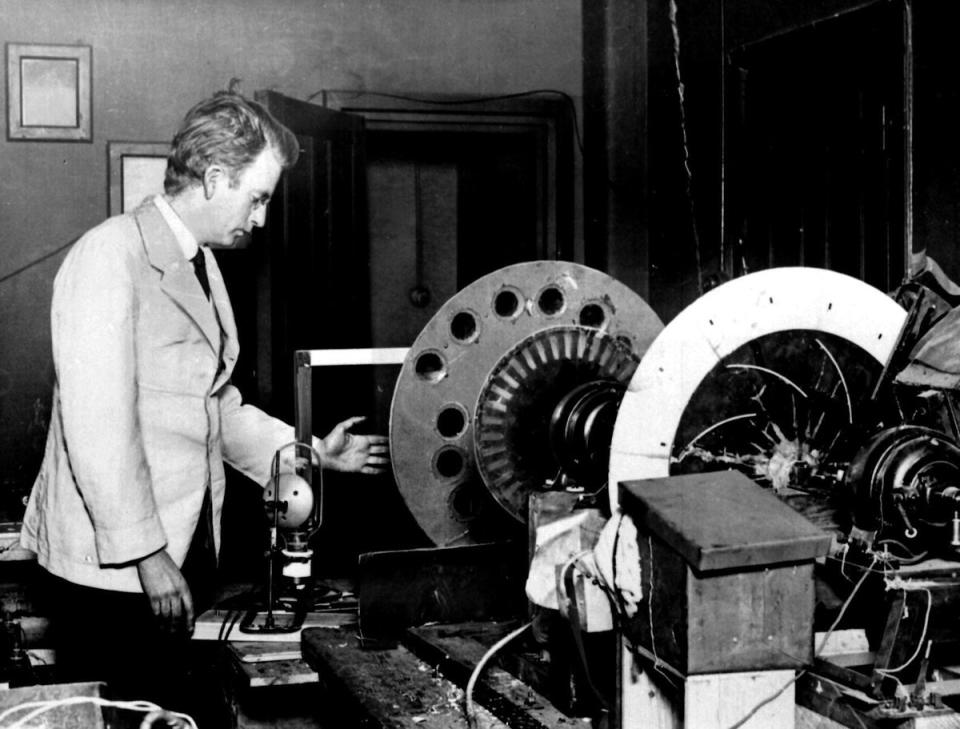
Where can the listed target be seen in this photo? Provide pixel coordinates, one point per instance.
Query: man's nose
(259, 216)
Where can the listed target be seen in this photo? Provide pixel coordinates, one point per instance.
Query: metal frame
(306, 359)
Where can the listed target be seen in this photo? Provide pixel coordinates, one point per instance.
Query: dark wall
(689, 208)
(686, 212)
(936, 150)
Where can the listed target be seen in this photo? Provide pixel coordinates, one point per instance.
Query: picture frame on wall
(135, 171)
(48, 92)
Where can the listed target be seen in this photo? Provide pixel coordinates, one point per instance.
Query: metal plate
(433, 410)
(794, 315)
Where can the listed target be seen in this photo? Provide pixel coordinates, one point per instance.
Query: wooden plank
(722, 520)
(456, 651)
(257, 652)
(270, 664)
(719, 701)
(384, 689)
(709, 701)
(836, 703)
(277, 673)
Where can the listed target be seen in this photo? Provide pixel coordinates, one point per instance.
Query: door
(304, 283)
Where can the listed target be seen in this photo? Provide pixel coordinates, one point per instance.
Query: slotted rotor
(517, 447)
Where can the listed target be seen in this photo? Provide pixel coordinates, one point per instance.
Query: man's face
(237, 208)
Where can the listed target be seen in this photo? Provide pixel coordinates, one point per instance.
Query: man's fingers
(350, 422)
(188, 610)
(171, 611)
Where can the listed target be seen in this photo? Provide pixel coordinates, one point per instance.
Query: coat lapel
(178, 280)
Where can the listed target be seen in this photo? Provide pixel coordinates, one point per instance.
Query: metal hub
(528, 427)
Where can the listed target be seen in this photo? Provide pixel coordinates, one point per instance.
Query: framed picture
(48, 92)
(136, 171)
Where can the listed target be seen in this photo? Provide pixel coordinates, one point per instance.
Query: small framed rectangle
(48, 92)
(136, 171)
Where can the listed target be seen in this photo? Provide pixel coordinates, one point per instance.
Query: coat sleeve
(250, 436)
(94, 348)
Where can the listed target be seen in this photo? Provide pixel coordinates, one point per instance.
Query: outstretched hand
(346, 451)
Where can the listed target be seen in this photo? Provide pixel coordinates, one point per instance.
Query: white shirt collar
(188, 243)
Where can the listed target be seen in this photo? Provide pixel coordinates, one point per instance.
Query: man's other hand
(168, 592)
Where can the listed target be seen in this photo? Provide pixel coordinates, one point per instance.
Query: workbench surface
(392, 688)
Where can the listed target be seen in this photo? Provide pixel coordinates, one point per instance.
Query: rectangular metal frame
(306, 359)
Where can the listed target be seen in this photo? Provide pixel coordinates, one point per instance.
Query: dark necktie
(200, 268)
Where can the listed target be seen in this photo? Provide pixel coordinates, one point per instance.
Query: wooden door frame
(550, 118)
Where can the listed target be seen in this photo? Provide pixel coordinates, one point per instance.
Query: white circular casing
(718, 323)
(296, 498)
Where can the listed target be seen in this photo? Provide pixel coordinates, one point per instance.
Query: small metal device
(294, 505)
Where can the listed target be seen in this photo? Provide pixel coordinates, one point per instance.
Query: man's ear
(214, 175)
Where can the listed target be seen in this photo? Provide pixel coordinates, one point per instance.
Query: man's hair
(228, 130)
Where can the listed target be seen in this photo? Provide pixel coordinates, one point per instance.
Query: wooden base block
(709, 701)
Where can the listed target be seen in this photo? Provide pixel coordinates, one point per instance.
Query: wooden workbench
(392, 688)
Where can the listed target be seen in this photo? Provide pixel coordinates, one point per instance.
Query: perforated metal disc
(794, 348)
(433, 410)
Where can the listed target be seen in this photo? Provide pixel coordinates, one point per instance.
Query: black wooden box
(727, 573)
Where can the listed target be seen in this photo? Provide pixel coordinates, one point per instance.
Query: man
(144, 415)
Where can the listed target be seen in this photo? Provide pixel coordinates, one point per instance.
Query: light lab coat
(143, 414)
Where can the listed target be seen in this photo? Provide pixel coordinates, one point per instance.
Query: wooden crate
(727, 572)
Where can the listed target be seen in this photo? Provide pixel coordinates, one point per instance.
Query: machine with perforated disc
(518, 340)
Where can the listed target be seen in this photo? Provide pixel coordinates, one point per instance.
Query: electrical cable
(469, 708)
(923, 636)
(688, 173)
(657, 662)
(36, 261)
(230, 619)
(619, 613)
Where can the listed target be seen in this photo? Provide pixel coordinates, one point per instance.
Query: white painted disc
(717, 324)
